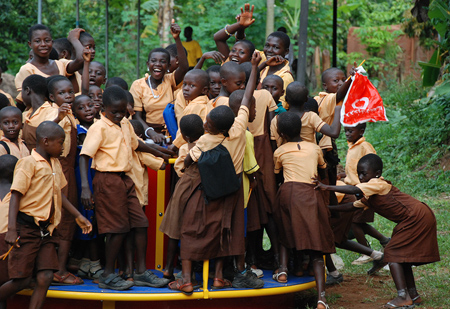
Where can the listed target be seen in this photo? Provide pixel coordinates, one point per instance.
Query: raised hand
(87, 54)
(74, 34)
(215, 55)
(256, 58)
(175, 30)
(275, 60)
(245, 19)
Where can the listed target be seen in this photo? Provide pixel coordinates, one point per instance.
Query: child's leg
(281, 273)
(112, 248)
(356, 247)
(411, 283)
(398, 274)
(129, 253)
(240, 262)
(272, 232)
(171, 252)
(13, 286)
(371, 231)
(319, 274)
(186, 270)
(140, 238)
(219, 268)
(359, 234)
(43, 280)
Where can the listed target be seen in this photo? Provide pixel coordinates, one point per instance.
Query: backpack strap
(3, 143)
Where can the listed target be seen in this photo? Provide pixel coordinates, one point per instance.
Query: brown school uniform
(10, 98)
(414, 238)
(311, 123)
(152, 107)
(111, 148)
(341, 223)
(40, 184)
(29, 69)
(213, 103)
(179, 162)
(263, 195)
(355, 152)
(327, 103)
(19, 152)
(285, 74)
(216, 229)
(4, 247)
(301, 213)
(32, 120)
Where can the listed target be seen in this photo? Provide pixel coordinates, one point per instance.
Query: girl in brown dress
(413, 240)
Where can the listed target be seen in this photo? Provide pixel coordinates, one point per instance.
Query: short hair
(53, 54)
(311, 105)
(85, 36)
(373, 160)
(283, 37)
(8, 110)
(36, 83)
(200, 76)
(192, 125)
(187, 30)
(130, 98)
(230, 68)
(249, 45)
(50, 130)
(213, 69)
(173, 51)
(222, 118)
(62, 44)
(101, 66)
(289, 124)
(274, 77)
(296, 94)
(247, 67)
(7, 164)
(235, 100)
(4, 101)
(53, 80)
(361, 126)
(78, 100)
(159, 50)
(282, 29)
(114, 94)
(327, 72)
(138, 127)
(37, 27)
(117, 81)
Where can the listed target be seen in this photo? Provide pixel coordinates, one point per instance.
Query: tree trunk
(270, 19)
(165, 16)
(302, 41)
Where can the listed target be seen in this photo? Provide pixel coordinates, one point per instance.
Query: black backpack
(217, 173)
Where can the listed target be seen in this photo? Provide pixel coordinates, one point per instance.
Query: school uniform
(250, 165)
(301, 214)
(152, 106)
(216, 229)
(311, 123)
(32, 120)
(218, 101)
(9, 97)
(414, 238)
(286, 76)
(4, 247)
(327, 104)
(29, 69)
(341, 223)
(111, 148)
(263, 196)
(19, 151)
(40, 184)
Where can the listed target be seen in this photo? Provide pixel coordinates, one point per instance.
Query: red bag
(362, 103)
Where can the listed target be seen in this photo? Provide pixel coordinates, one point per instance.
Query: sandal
(325, 306)
(61, 280)
(276, 277)
(417, 300)
(223, 284)
(186, 288)
(391, 305)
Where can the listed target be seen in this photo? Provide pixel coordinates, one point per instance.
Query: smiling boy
(11, 124)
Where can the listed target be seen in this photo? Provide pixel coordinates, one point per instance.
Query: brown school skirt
(341, 225)
(414, 239)
(4, 247)
(262, 199)
(173, 218)
(303, 218)
(215, 229)
(33, 255)
(363, 216)
(116, 205)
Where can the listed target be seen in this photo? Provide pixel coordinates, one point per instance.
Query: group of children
(253, 150)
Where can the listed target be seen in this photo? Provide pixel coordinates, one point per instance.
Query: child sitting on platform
(414, 239)
(34, 213)
(11, 124)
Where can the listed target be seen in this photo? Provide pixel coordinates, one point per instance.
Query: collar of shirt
(358, 142)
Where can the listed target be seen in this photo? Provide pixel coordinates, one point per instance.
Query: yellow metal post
(205, 279)
(160, 204)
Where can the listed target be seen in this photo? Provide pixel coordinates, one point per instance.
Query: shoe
(276, 277)
(331, 280)
(149, 279)
(363, 259)
(114, 282)
(185, 288)
(258, 272)
(247, 281)
(377, 265)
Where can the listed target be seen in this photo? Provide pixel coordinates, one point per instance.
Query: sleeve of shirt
(368, 148)
(171, 79)
(179, 140)
(317, 122)
(360, 204)
(150, 160)
(272, 104)
(195, 151)
(273, 128)
(198, 51)
(23, 173)
(240, 122)
(370, 188)
(2, 150)
(93, 140)
(60, 173)
(277, 161)
(136, 92)
(134, 138)
(179, 162)
(24, 72)
(66, 63)
(329, 104)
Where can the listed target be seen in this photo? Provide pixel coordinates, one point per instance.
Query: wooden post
(302, 41)
(165, 21)
(270, 17)
(325, 59)
(317, 71)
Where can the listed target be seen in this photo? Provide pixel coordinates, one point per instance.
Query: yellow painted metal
(109, 304)
(160, 204)
(205, 279)
(172, 160)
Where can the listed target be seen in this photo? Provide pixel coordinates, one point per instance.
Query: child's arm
(342, 189)
(82, 222)
(271, 62)
(63, 110)
(85, 75)
(335, 128)
(188, 161)
(183, 65)
(155, 150)
(245, 19)
(86, 194)
(250, 88)
(74, 38)
(342, 92)
(11, 235)
(215, 55)
(343, 207)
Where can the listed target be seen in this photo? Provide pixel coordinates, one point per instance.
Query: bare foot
(399, 301)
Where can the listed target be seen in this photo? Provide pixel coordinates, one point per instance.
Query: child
(221, 231)
(8, 96)
(358, 147)
(153, 92)
(11, 124)
(7, 164)
(61, 93)
(193, 49)
(40, 41)
(110, 142)
(413, 240)
(34, 213)
(215, 55)
(301, 213)
(191, 128)
(116, 81)
(63, 47)
(96, 95)
(214, 81)
(274, 84)
(97, 74)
